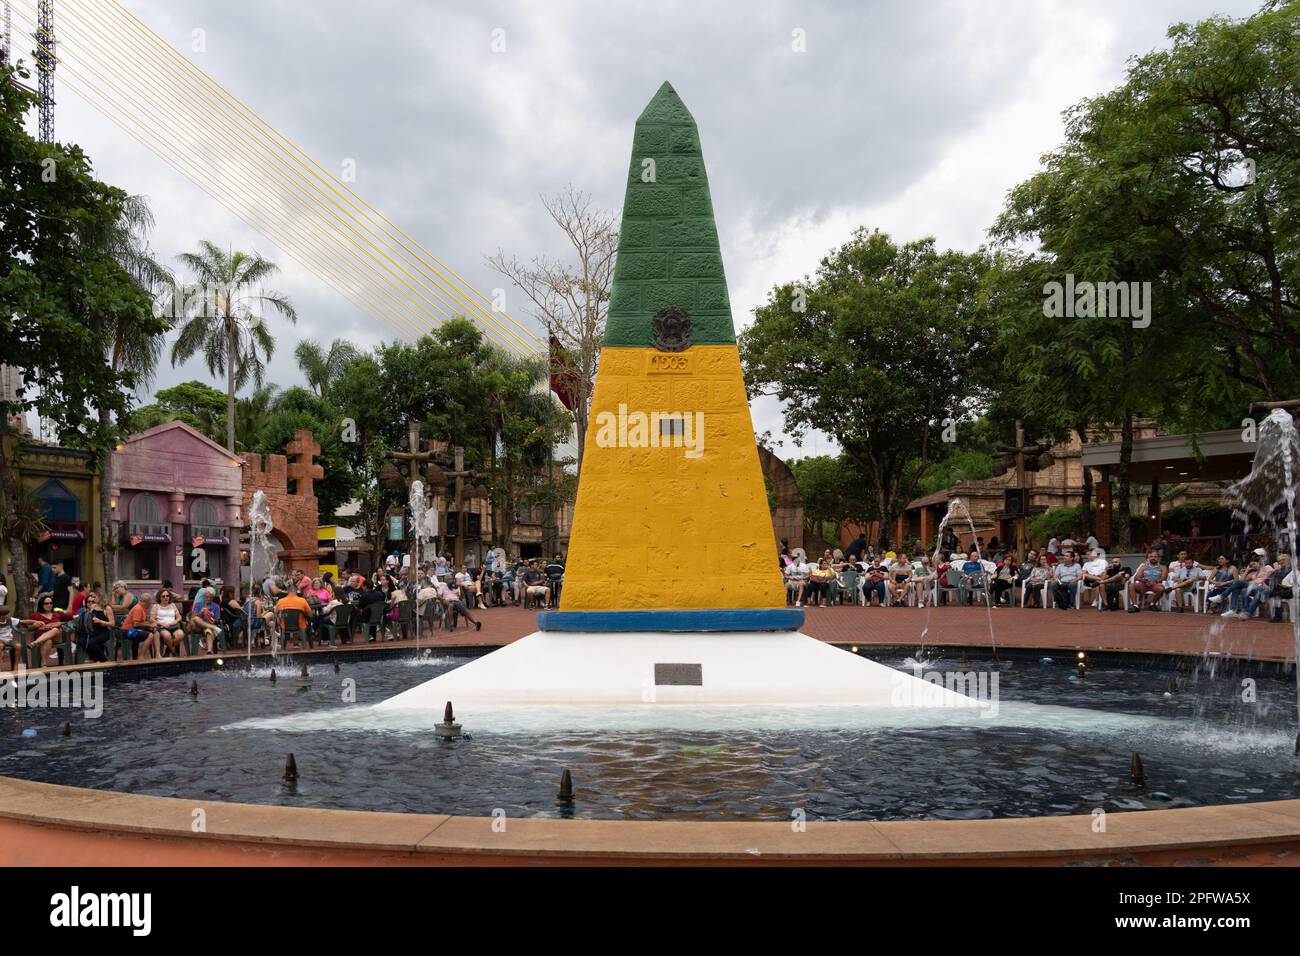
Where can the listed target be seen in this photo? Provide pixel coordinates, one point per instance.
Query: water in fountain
(957, 508)
(1267, 497)
(422, 532)
(259, 557)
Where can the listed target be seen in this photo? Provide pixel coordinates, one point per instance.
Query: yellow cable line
(262, 226)
(529, 343)
(285, 193)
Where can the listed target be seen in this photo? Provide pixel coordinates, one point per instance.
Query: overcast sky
(913, 117)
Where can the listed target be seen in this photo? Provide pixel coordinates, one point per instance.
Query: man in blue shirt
(44, 575)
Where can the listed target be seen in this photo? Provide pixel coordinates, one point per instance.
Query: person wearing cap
(1248, 591)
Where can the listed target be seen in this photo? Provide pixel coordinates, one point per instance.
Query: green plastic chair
(337, 622)
(950, 583)
(293, 622)
(372, 622)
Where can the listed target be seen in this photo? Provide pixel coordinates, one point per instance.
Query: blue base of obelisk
(708, 619)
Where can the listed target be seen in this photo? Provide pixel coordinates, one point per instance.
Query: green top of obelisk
(668, 252)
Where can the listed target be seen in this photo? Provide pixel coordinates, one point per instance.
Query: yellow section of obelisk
(662, 528)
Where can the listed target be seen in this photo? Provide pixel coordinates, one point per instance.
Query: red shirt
(78, 599)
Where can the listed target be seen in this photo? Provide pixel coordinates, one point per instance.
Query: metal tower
(8, 35)
(45, 61)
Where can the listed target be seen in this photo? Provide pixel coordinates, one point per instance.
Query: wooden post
(460, 505)
(1104, 507)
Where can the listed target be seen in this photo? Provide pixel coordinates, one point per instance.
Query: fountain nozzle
(291, 770)
(194, 688)
(1136, 770)
(448, 728)
(566, 787)
(272, 675)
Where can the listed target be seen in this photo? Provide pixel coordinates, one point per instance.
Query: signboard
(396, 527)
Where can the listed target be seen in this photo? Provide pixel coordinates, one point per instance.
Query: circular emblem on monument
(672, 329)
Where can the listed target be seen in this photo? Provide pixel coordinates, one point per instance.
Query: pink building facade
(177, 500)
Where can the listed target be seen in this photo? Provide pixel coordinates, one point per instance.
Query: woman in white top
(166, 619)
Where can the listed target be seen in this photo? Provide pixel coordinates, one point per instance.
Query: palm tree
(252, 413)
(130, 352)
(225, 323)
(322, 368)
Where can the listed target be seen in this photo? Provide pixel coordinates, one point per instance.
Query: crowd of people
(281, 610)
(1059, 574)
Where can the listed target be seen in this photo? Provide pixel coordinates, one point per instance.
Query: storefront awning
(61, 535)
(138, 539)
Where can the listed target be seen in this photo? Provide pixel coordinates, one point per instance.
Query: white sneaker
(798, 603)
(1228, 613)
(1216, 599)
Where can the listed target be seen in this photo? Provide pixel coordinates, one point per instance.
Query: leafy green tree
(223, 318)
(322, 367)
(198, 405)
(1185, 178)
(833, 493)
(298, 408)
(885, 348)
(60, 286)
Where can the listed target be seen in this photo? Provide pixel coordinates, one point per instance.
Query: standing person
(44, 575)
(856, 546)
(61, 588)
(1053, 546)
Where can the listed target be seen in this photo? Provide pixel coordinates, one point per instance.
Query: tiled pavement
(1150, 631)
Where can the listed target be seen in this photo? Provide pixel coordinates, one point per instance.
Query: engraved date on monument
(679, 675)
(668, 362)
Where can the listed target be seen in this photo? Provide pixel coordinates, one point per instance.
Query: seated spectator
(123, 601)
(293, 601)
(818, 588)
(972, 574)
(205, 616)
(1037, 581)
(456, 609)
(139, 631)
(1182, 581)
(1005, 579)
(165, 619)
(873, 585)
(796, 577)
(1221, 580)
(47, 624)
(1247, 593)
(1113, 583)
(1094, 574)
(95, 626)
(555, 579)
(1066, 577)
(1284, 582)
(922, 579)
(1148, 582)
(535, 584)
(900, 579)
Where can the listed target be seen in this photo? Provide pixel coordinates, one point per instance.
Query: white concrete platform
(771, 667)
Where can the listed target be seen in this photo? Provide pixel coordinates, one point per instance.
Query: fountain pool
(1056, 746)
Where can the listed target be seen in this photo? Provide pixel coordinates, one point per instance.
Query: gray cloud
(914, 117)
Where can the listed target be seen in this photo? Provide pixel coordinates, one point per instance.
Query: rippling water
(1056, 747)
